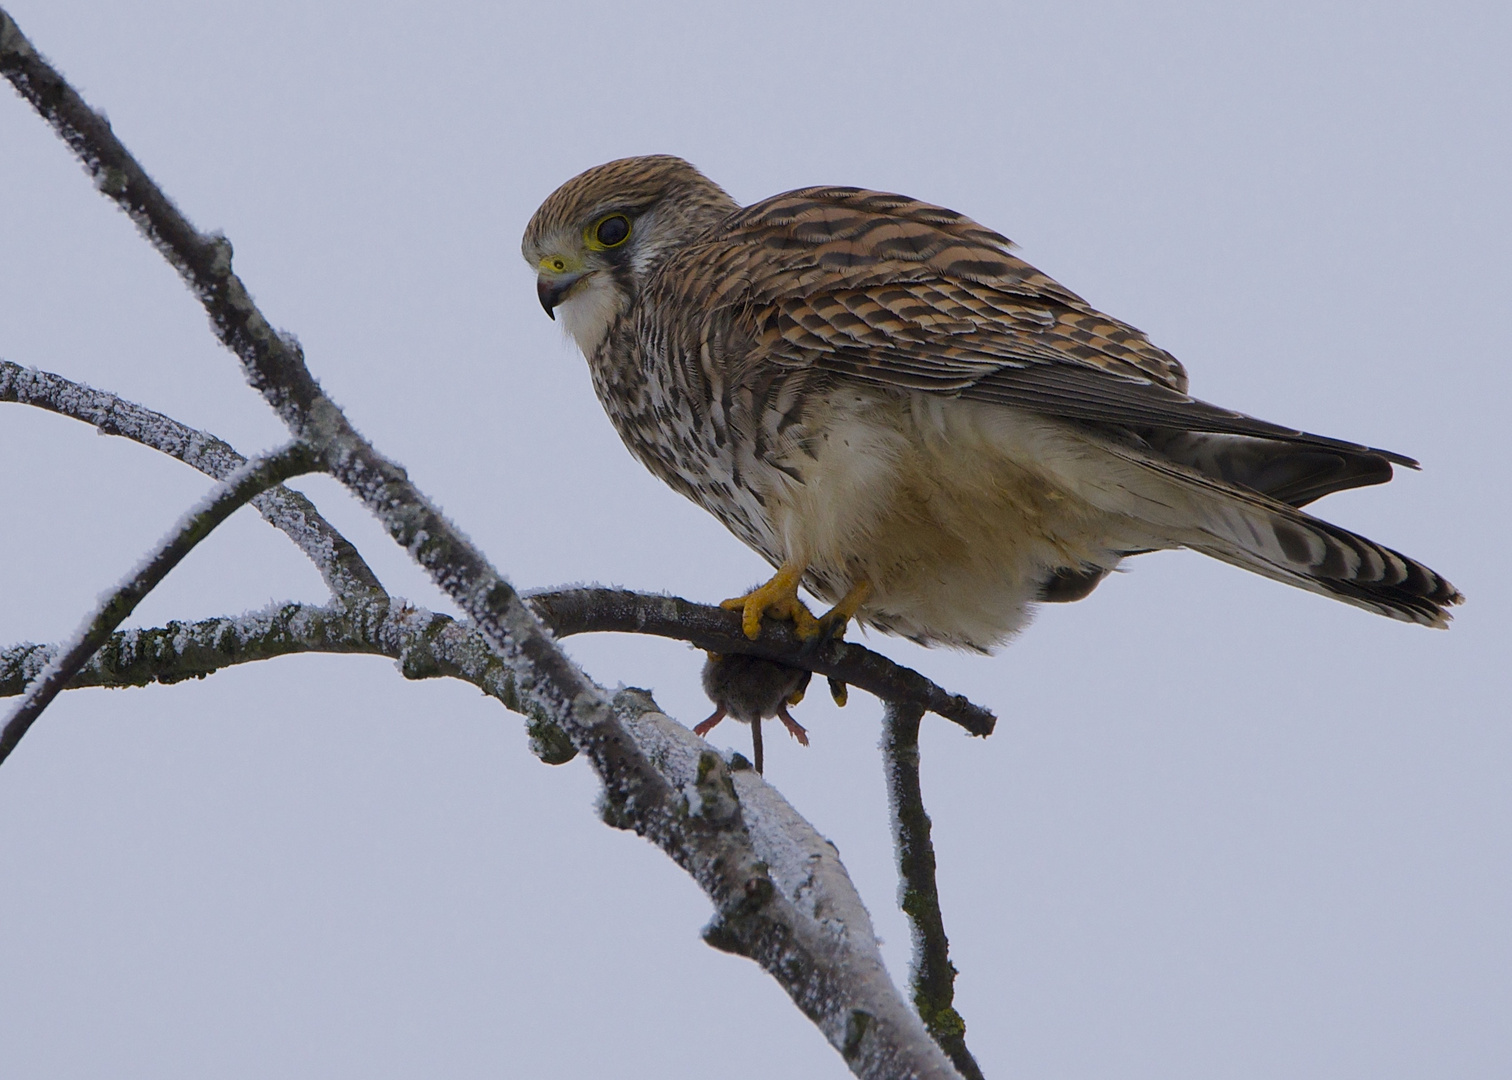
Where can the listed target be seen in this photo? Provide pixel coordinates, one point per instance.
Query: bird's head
(602, 233)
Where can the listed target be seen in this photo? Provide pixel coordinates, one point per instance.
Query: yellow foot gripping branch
(778, 598)
(833, 622)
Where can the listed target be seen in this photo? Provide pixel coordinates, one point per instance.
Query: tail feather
(1269, 537)
(1290, 472)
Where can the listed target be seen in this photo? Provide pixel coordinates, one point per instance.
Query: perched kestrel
(913, 423)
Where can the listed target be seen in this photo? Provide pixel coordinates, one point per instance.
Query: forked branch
(779, 892)
(343, 569)
(591, 609)
(253, 478)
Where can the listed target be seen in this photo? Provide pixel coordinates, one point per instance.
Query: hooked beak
(553, 291)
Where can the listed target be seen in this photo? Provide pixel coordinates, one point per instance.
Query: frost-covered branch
(932, 975)
(229, 496)
(795, 911)
(777, 899)
(430, 645)
(274, 364)
(425, 644)
(565, 611)
(343, 569)
(793, 903)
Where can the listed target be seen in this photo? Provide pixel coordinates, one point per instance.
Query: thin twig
(345, 573)
(233, 493)
(932, 975)
(366, 620)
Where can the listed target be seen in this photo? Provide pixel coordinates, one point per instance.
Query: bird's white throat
(588, 312)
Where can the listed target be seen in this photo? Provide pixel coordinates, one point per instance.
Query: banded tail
(1238, 499)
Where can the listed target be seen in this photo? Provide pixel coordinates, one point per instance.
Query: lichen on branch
(779, 892)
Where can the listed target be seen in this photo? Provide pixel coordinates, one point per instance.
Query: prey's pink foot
(710, 724)
(795, 729)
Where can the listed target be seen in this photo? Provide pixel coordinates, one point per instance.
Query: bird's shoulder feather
(938, 300)
(902, 293)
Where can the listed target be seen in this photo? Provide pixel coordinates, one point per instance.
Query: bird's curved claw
(838, 691)
(779, 598)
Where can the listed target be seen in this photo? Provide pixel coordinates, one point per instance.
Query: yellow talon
(838, 691)
(778, 598)
(833, 621)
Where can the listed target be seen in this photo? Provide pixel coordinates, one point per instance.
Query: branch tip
(232, 493)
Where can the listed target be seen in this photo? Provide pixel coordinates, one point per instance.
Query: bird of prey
(916, 425)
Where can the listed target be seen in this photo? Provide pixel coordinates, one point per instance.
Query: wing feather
(898, 292)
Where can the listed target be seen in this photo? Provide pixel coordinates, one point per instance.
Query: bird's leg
(832, 623)
(756, 744)
(795, 729)
(778, 598)
(711, 723)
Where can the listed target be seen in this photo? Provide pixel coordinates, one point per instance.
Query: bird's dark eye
(613, 231)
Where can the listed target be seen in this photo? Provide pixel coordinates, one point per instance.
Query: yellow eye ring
(610, 231)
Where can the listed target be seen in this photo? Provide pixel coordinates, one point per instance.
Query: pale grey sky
(1224, 829)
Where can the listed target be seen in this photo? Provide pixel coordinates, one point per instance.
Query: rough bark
(779, 891)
